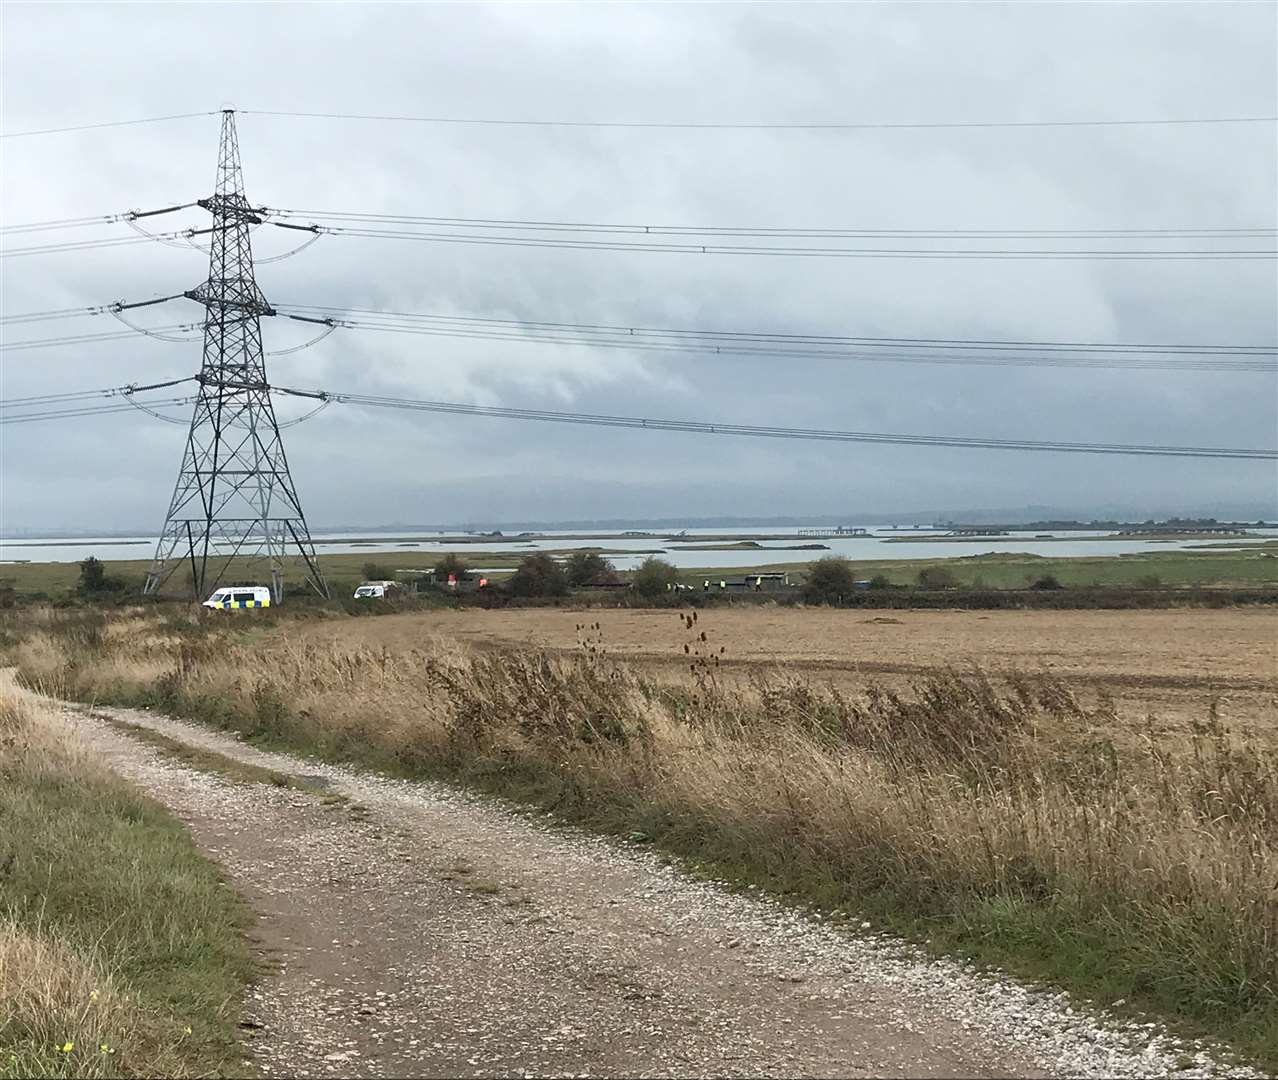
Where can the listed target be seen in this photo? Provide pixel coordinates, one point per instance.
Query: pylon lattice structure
(234, 503)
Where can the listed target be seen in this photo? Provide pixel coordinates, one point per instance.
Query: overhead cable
(114, 399)
(47, 399)
(181, 333)
(104, 392)
(93, 410)
(777, 125)
(825, 339)
(75, 404)
(1160, 232)
(289, 254)
(87, 245)
(81, 312)
(104, 124)
(160, 332)
(532, 241)
(1129, 362)
(904, 350)
(54, 313)
(101, 219)
(305, 344)
(767, 432)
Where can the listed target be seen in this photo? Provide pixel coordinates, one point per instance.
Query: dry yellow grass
(1171, 663)
(60, 1011)
(996, 815)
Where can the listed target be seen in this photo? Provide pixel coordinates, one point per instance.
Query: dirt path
(418, 931)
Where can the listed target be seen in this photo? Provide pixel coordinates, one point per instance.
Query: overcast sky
(69, 64)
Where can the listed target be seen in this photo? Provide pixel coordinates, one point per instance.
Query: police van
(235, 597)
(376, 590)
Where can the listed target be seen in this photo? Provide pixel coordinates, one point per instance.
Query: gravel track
(416, 930)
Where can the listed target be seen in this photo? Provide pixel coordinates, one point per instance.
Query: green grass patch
(199, 757)
(122, 949)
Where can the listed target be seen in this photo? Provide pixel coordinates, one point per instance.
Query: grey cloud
(70, 63)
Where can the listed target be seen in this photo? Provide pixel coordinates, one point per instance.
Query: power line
(108, 335)
(106, 391)
(1214, 359)
(1129, 362)
(780, 125)
(982, 343)
(48, 399)
(92, 410)
(45, 316)
(946, 352)
(758, 431)
(100, 219)
(75, 404)
(37, 409)
(818, 252)
(104, 124)
(62, 223)
(335, 316)
(86, 245)
(1160, 232)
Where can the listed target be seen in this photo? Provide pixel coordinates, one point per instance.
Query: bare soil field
(1171, 663)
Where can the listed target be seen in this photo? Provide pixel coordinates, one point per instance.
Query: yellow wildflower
(67, 1047)
(93, 995)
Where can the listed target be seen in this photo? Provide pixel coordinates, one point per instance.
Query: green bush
(654, 578)
(94, 580)
(1047, 581)
(539, 575)
(587, 567)
(937, 577)
(829, 581)
(374, 571)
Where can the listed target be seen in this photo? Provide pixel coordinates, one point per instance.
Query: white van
(235, 597)
(375, 590)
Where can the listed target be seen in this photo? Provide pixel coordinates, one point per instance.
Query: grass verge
(121, 948)
(1000, 819)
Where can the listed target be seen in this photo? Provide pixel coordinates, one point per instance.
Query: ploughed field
(1172, 664)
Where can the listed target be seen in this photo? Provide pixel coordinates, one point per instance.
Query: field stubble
(993, 815)
(1168, 665)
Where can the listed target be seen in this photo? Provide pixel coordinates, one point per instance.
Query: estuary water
(416, 550)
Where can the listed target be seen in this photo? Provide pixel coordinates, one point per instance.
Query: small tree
(829, 581)
(450, 564)
(374, 571)
(937, 577)
(880, 581)
(94, 579)
(539, 575)
(587, 567)
(654, 577)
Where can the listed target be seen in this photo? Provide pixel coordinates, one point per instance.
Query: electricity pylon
(234, 501)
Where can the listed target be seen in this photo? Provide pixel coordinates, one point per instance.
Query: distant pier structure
(830, 534)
